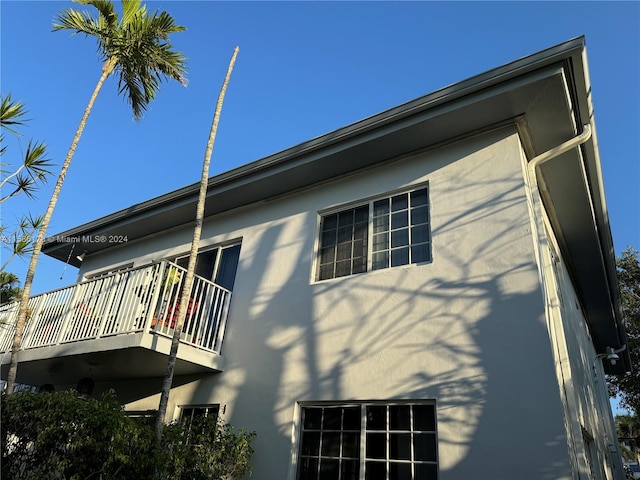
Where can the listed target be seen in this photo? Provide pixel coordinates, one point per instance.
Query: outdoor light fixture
(611, 354)
(81, 256)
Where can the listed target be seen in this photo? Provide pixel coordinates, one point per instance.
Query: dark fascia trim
(447, 94)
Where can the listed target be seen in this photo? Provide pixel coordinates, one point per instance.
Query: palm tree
(10, 289)
(137, 48)
(195, 243)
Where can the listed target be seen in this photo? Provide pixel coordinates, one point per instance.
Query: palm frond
(25, 184)
(33, 170)
(31, 223)
(35, 160)
(79, 21)
(138, 43)
(7, 278)
(22, 244)
(107, 16)
(12, 113)
(131, 8)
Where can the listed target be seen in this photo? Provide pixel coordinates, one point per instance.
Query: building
(427, 293)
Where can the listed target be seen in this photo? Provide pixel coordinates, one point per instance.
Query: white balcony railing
(144, 299)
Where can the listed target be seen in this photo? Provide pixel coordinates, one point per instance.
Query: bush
(62, 436)
(205, 449)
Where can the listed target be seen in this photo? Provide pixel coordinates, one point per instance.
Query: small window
(111, 271)
(368, 441)
(199, 420)
(383, 233)
(145, 417)
(188, 413)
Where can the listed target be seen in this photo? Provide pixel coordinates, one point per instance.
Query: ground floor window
(199, 419)
(190, 412)
(370, 441)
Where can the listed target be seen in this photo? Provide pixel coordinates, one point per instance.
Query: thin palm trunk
(37, 247)
(195, 243)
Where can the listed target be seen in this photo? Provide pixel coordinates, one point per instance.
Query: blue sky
(304, 69)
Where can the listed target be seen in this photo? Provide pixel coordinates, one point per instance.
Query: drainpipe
(610, 352)
(553, 153)
(560, 149)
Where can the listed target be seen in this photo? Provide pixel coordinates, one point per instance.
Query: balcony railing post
(223, 323)
(155, 296)
(105, 307)
(34, 305)
(68, 312)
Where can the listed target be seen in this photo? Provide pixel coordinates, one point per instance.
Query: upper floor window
(106, 273)
(216, 264)
(396, 227)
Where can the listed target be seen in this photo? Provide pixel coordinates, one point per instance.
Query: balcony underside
(123, 357)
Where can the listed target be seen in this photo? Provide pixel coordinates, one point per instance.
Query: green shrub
(61, 436)
(205, 449)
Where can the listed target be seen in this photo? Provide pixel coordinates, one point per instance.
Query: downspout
(557, 151)
(560, 149)
(534, 163)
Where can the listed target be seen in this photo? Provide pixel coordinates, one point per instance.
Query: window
(144, 417)
(591, 452)
(368, 441)
(396, 227)
(219, 268)
(105, 273)
(188, 413)
(200, 420)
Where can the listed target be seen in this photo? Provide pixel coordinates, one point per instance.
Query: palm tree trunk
(195, 243)
(107, 68)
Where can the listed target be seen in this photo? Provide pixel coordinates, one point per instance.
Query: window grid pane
(406, 225)
(400, 236)
(399, 442)
(330, 443)
(409, 450)
(343, 243)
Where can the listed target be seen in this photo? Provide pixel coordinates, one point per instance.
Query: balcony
(117, 327)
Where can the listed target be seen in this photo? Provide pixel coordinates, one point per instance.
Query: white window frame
(369, 202)
(218, 247)
(298, 431)
(208, 409)
(109, 271)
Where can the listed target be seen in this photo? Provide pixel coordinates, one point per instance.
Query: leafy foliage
(135, 46)
(34, 165)
(628, 386)
(628, 430)
(9, 287)
(205, 449)
(60, 435)
(31, 172)
(20, 240)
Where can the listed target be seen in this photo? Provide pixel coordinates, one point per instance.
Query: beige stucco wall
(467, 329)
